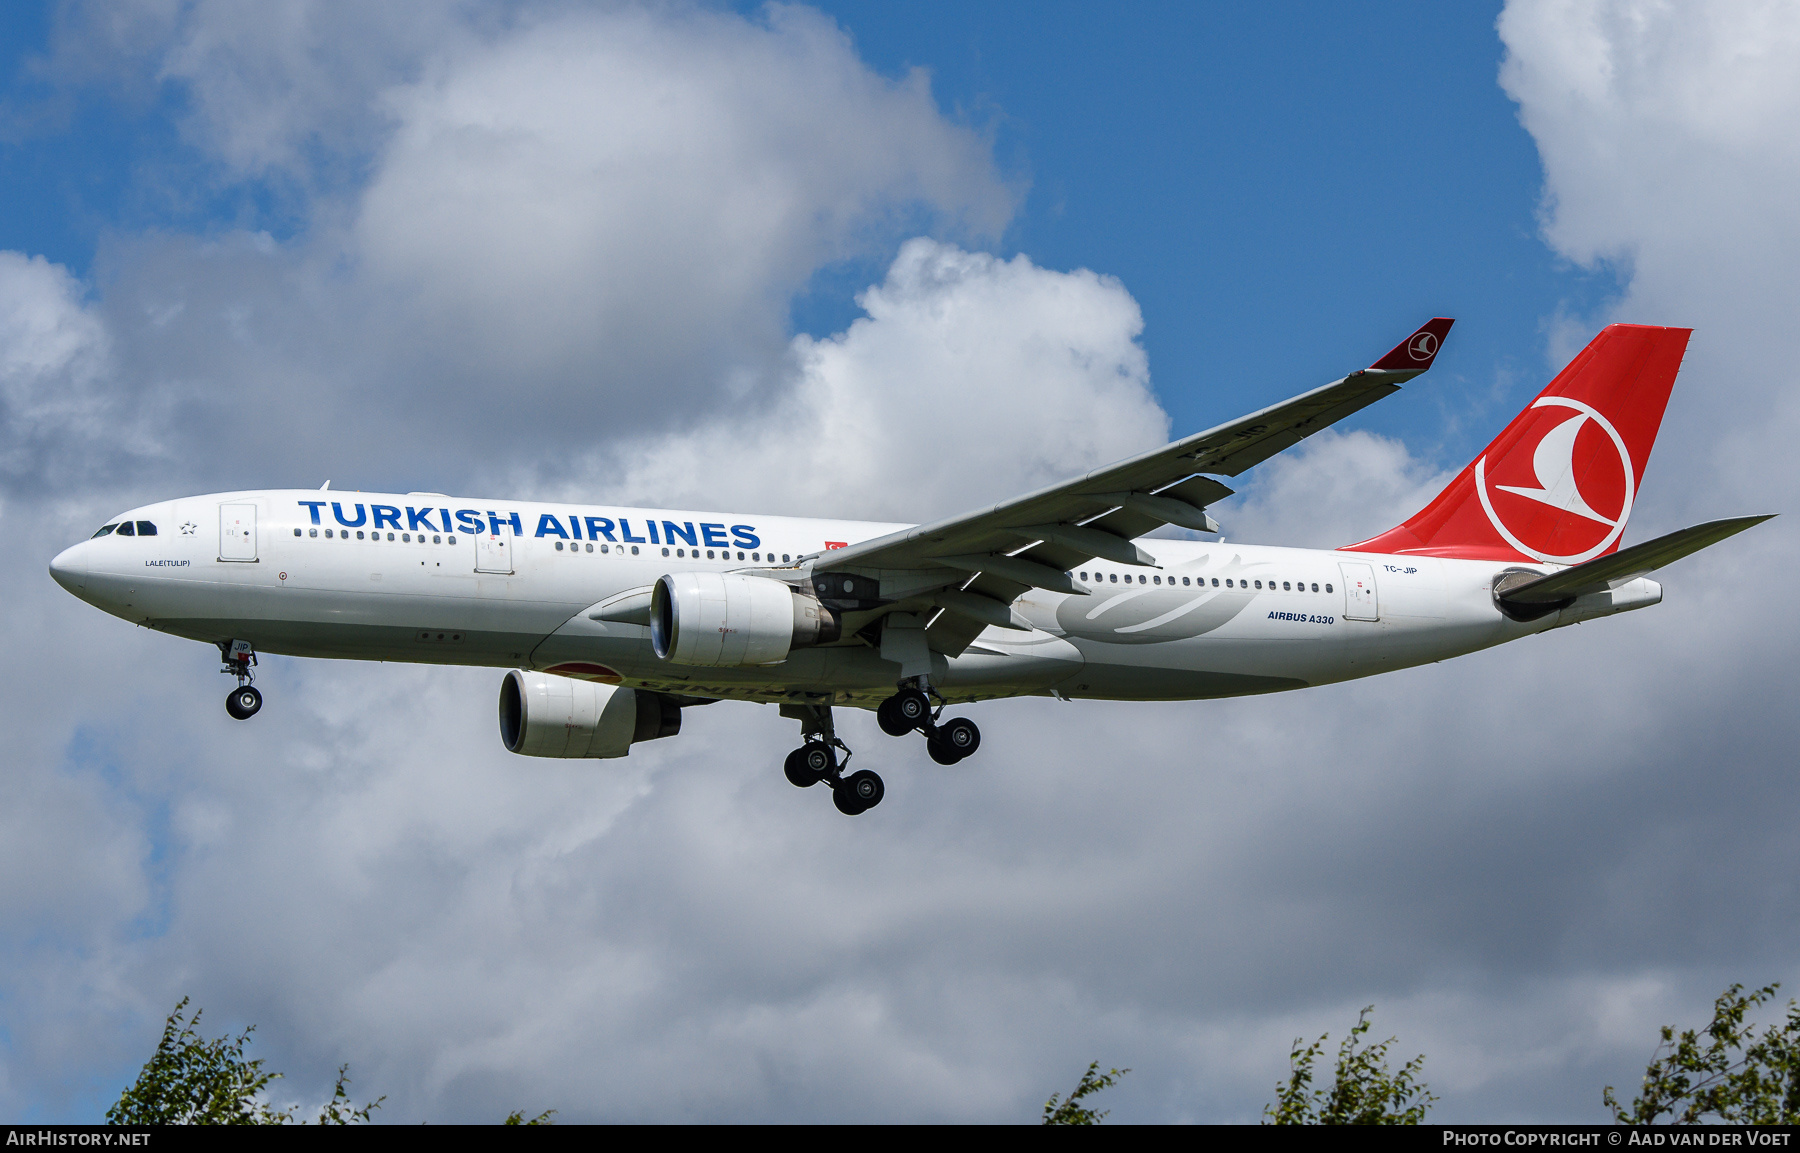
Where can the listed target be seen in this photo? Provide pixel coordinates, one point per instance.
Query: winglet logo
(1553, 464)
(1424, 346)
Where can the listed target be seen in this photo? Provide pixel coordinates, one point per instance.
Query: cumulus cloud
(54, 369)
(1333, 489)
(970, 380)
(549, 227)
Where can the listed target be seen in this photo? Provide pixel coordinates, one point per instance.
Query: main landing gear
(240, 658)
(911, 708)
(817, 760)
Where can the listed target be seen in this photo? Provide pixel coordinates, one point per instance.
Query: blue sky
(615, 252)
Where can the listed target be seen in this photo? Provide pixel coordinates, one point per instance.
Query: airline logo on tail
(1560, 476)
(1557, 485)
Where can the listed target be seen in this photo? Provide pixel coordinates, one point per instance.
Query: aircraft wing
(992, 555)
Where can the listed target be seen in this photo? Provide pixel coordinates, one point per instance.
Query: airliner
(611, 621)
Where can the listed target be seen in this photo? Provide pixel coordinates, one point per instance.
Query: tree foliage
(194, 1081)
(1071, 1111)
(1724, 1072)
(1363, 1092)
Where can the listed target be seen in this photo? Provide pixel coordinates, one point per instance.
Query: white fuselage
(438, 580)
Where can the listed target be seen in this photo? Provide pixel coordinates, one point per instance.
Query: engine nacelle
(549, 716)
(729, 620)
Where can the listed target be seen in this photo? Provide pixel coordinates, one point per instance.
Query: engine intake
(542, 715)
(730, 620)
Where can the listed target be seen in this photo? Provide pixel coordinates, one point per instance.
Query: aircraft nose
(69, 569)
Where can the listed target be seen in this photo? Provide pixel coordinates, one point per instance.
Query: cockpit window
(104, 529)
(145, 528)
(125, 529)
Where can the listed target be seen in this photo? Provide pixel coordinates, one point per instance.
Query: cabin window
(1286, 588)
(590, 547)
(328, 532)
(603, 548)
(709, 554)
(296, 532)
(104, 529)
(1327, 588)
(559, 546)
(312, 532)
(634, 550)
(390, 536)
(1185, 581)
(1215, 582)
(1113, 577)
(359, 534)
(1156, 580)
(1228, 583)
(448, 540)
(407, 537)
(435, 540)
(755, 556)
(740, 556)
(665, 551)
(784, 558)
(1315, 588)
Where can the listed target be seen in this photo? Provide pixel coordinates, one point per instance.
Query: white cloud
(547, 230)
(632, 197)
(1333, 489)
(54, 354)
(970, 380)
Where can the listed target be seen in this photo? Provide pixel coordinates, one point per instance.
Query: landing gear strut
(240, 658)
(911, 708)
(817, 760)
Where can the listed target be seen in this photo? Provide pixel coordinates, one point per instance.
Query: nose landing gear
(240, 658)
(817, 760)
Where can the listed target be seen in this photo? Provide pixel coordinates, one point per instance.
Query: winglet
(1417, 351)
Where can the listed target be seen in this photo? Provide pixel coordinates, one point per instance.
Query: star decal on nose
(188, 528)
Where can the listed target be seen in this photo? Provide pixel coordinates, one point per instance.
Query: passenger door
(1361, 602)
(237, 532)
(494, 549)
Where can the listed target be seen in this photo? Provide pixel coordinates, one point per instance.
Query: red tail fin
(1558, 484)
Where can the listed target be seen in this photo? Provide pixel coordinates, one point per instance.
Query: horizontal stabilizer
(1627, 564)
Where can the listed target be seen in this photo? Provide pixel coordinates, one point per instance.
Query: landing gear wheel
(903, 712)
(243, 702)
(809, 764)
(798, 774)
(941, 752)
(959, 735)
(858, 793)
(889, 718)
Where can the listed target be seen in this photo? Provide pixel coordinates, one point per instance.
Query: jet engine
(726, 620)
(549, 716)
